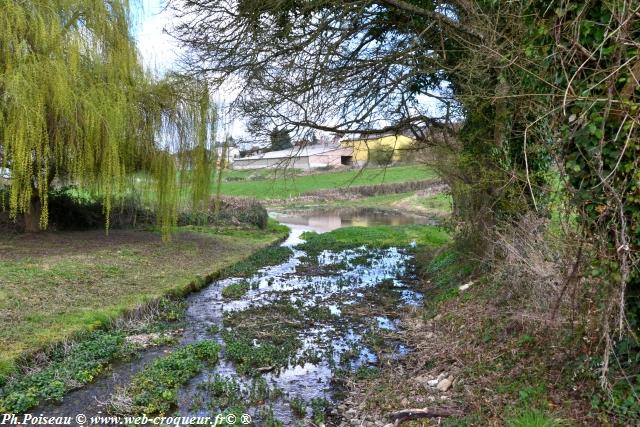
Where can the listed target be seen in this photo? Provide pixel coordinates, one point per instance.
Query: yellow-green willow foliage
(76, 103)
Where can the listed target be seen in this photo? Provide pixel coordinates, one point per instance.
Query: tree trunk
(32, 218)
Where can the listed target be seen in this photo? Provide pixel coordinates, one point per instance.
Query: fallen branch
(413, 414)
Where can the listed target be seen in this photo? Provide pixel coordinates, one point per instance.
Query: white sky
(160, 54)
(160, 51)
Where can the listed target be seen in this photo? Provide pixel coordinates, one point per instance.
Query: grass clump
(68, 368)
(531, 418)
(437, 203)
(250, 347)
(223, 392)
(298, 407)
(226, 394)
(155, 390)
(375, 237)
(319, 408)
(367, 372)
(268, 418)
(252, 355)
(445, 270)
(236, 290)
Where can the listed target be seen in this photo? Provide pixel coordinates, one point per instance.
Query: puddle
(323, 220)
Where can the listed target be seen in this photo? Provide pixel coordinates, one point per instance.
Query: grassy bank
(409, 202)
(375, 237)
(55, 285)
(280, 186)
(479, 351)
(503, 366)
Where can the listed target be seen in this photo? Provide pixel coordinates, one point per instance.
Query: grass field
(271, 186)
(53, 285)
(409, 202)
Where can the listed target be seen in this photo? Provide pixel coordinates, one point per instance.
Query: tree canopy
(347, 66)
(280, 139)
(76, 103)
(529, 93)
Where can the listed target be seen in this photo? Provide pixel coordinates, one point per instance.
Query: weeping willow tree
(76, 103)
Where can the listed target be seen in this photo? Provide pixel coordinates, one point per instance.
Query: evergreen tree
(280, 139)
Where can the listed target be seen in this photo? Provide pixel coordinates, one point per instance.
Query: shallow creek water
(339, 343)
(327, 219)
(339, 280)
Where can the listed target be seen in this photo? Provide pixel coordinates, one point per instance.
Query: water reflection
(323, 220)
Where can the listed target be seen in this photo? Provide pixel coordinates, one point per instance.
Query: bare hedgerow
(540, 270)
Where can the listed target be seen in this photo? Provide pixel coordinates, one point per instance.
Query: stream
(326, 318)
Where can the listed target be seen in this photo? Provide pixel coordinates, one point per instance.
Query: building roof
(313, 150)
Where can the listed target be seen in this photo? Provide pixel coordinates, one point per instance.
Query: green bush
(382, 156)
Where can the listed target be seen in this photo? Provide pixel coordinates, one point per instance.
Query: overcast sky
(160, 51)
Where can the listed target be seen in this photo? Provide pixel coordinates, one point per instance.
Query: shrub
(244, 211)
(233, 210)
(382, 156)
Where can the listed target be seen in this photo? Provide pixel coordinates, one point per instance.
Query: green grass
(298, 407)
(249, 358)
(382, 201)
(250, 346)
(532, 418)
(376, 237)
(292, 186)
(319, 407)
(56, 285)
(235, 290)
(261, 258)
(155, 389)
(226, 394)
(438, 202)
(79, 364)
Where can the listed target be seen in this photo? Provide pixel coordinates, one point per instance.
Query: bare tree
(357, 66)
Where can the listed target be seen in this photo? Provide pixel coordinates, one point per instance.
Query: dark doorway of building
(346, 160)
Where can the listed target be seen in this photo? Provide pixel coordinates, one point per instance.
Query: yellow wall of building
(361, 147)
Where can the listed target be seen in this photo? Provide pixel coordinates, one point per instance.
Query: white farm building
(305, 158)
